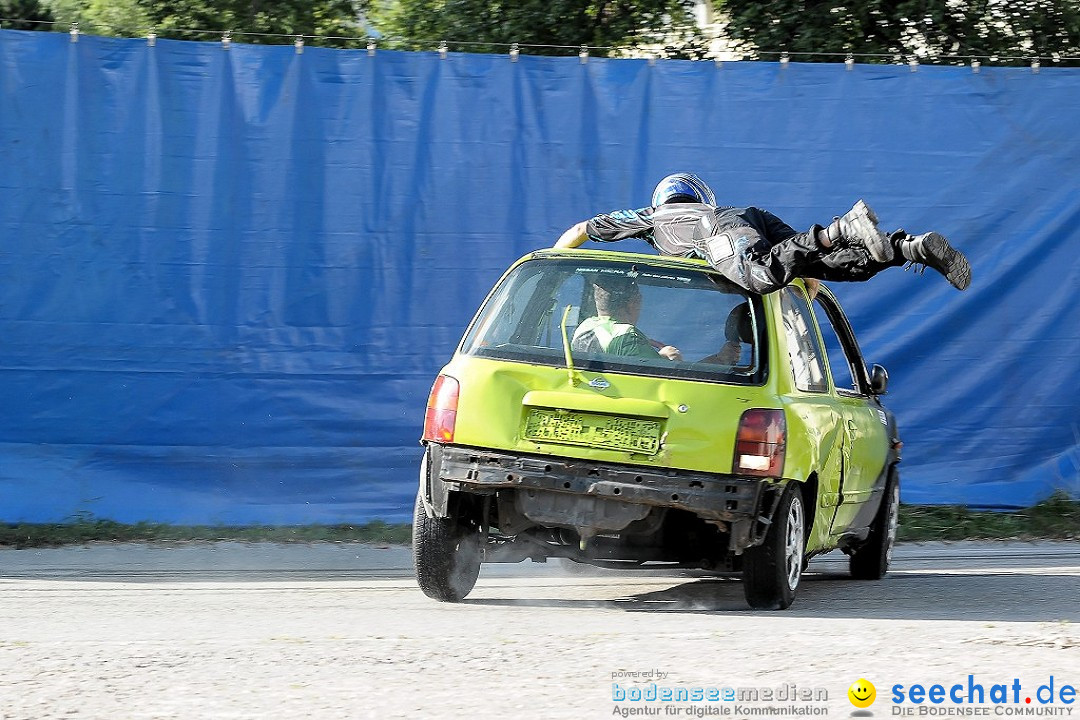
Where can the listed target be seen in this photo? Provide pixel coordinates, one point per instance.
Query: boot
(858, 226)
(933, 250)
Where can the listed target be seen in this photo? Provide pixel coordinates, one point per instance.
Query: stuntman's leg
(858, 227)
(933, 250)
(847, 264)
(751, 262)
(847, 250)
(745, 258)
(928, 250)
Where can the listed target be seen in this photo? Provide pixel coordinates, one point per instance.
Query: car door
(818, 407)
(866, 425)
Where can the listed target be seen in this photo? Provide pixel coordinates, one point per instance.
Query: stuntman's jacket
(680, 229)
(751, 247)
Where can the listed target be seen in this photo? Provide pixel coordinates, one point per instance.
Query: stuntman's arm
(620, 225)
(573, 237)
(610, 227)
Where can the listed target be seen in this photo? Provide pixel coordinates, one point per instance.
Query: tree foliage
(944, 31)
(99, 17)
(24, 15)
(336, 18)
(941, 31)
(667, 26)
(254, 21)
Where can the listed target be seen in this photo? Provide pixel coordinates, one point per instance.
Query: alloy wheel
(793, 546)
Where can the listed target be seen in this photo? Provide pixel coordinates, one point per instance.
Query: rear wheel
(446, 553)
(771, 571)
(870, 561)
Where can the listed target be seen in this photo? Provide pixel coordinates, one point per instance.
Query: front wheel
(446, 555)
(771, 571)
(870, 561)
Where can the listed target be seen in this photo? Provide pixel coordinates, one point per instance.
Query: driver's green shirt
(603, 334)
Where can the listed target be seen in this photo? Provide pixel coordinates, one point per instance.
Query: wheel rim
(794, 543)
(894, 521)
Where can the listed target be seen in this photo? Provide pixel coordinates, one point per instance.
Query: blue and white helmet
(686, 185)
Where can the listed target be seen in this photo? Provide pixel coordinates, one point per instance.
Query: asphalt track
(230, 630)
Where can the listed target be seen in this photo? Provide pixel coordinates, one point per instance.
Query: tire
(870, 561)
(446, 555)
(771, 571)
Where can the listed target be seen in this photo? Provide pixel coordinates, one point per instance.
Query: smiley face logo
(862, 693)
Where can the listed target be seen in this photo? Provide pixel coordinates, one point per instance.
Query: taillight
(441, 413)
(759, 446)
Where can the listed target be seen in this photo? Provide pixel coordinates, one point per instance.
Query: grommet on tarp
(784, 60)
(514, 52)
(298, 43)
(583, 54)
(226, 39)
(913, 63)
(74, 32)
(1035, 65)
(975, 65)
(443, 50)
(849, 62)
(151, 38)
(371, 47)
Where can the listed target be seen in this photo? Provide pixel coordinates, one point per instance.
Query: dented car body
(695, 426)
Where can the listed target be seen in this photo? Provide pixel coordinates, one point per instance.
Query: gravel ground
(230, 630)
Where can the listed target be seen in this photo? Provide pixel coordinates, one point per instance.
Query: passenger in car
(613, 330)
(760, 252)
(738, 330)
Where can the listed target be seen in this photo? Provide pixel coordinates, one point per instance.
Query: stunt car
(695, 425)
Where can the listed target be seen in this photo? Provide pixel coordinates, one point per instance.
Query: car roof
(620, 256)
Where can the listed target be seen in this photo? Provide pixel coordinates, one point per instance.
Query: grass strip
(84, 530)
(1056, 518)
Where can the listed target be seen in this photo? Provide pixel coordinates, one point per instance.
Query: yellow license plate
(600, 431)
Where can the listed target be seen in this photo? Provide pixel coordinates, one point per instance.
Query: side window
(802, 342)
(840, 362)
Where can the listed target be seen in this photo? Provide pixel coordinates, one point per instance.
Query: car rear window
(623, 317)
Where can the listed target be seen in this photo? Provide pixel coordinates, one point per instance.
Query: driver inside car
(613, 330)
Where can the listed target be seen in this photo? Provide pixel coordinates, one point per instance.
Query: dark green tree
(25, 15)
(663, 26)
(252, 21)
(99, 17)
(264, 19)
(941, 31)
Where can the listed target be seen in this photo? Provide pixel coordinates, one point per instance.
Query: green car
(635, 411)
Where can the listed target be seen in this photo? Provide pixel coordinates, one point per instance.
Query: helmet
(686, 185)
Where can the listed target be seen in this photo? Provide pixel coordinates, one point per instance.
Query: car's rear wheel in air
(771, 571)
(446, 550)
(871, 560)
(446, 555)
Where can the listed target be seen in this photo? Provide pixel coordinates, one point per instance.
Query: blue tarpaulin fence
(228, 277)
